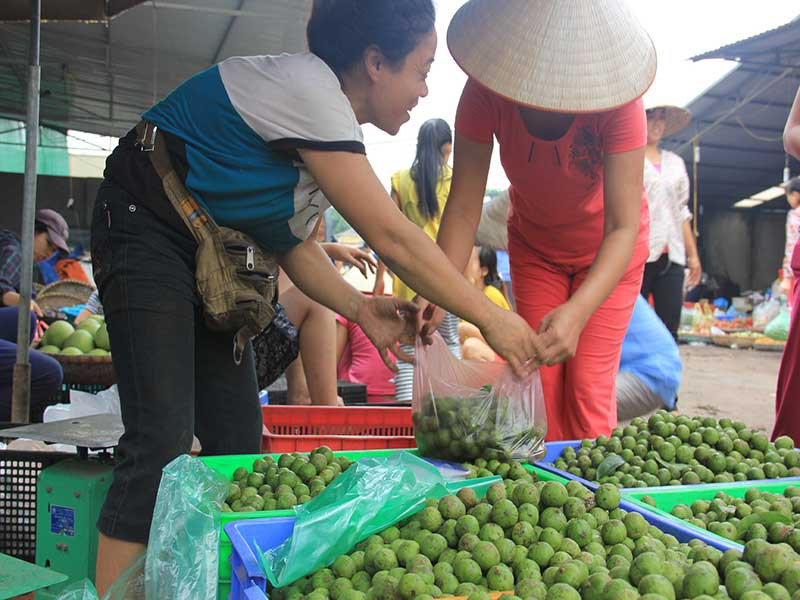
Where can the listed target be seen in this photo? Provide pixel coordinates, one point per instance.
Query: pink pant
(579, 394)
(787, 398)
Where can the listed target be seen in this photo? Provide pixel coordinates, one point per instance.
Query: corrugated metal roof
(99, 76)
(776, 46)
(740, 119)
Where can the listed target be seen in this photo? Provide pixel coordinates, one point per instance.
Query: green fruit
(553, 494)
(486, 555)
(614, 532)
(467, 571)
(504, 513)
(738, 581)
(701, 578)
(344, 567)
(657, 584)
(101, 338)
(430, 518)
(562, 591)
(607, 496)
(71, 351)
(80, 339)
(495, 493)
(635, 525)
(467, 524)
(450, 507)
(776, 591)
(646, 563)
(500, 578)
(410, 586)
(773, 561)
(49, 349)
(90, 325)
(58, 333)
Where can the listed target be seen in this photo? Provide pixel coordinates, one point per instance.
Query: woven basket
(53, 302)
(87, 370)
(733, 341)
(69, 287)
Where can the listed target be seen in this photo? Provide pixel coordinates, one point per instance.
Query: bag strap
(197, 220)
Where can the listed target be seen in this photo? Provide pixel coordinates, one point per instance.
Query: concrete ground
(722, 382)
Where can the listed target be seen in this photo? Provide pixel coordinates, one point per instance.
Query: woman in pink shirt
(571, 128)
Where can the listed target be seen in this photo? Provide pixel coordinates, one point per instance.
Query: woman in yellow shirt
(420, 193)
(482, 272)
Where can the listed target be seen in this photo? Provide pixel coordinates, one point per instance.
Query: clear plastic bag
(182, 557)
(370, 496)
(765, 312)
(467, 409)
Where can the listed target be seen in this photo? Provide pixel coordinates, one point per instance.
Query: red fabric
(361, 363)
(555, 230)
(787, 397)
(556, 186)
(580, 394)
(69, 268)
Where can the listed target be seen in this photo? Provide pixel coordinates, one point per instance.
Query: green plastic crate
(226, 465)
(668, 497)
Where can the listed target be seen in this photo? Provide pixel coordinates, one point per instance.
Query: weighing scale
(70, 493)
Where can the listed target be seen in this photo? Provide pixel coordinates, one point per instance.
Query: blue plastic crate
(246, 570)
(552, 451)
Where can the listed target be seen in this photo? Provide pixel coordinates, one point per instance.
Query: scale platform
(93, 432)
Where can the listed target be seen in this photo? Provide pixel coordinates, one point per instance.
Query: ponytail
(428, 165)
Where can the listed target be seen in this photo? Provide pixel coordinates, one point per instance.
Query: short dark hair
(340, 30)
(39, 227)
(793, 185)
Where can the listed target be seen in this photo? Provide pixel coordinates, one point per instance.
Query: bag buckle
(147, 141)
(251, 259)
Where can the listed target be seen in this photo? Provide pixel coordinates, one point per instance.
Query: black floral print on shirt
(585, 154)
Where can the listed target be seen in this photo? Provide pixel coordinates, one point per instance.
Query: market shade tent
(740, 119)
(100, 73)
(106, 63)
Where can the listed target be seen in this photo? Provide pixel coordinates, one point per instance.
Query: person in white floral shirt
(673, 247)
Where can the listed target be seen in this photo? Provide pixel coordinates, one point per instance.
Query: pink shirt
(361, 363)
(556, 186)
(792, 235)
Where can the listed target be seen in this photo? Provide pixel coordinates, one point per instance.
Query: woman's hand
(559, 332)
(429, 319)
(387, 322)
(361, 260)
(695, 270)
(510, 336)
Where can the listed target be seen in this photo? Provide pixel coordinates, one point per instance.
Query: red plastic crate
(303, 428)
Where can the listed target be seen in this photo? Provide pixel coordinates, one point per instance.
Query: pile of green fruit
(90, 337)
(485, 425)
(294, 479)
(544, 541)
(759, 515)
(675, 450)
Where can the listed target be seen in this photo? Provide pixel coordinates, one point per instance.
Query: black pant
(176, 378)
(664, 279)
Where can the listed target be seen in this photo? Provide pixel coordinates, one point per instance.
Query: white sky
(679, 28)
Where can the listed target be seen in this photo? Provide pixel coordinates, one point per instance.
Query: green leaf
(681, 468)
(765, 518)
(610, 464)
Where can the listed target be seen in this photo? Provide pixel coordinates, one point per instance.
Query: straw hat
(676, 118)
(570, 56)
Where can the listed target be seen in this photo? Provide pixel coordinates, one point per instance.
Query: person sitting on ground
(650, 365)
(50, 235)
(482, 272)
(493, 233)
(92, 307)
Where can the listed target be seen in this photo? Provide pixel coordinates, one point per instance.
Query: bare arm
(406, 250)
(462, 213)
(692, 255)
(382, 269)
(350, 184)
(791, 134)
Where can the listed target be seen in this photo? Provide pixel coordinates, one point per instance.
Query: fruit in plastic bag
(464, 410)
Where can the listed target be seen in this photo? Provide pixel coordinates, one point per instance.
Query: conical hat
(571, 56)
(676, 118)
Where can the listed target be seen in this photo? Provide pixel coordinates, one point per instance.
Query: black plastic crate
(19, 472)
(62, 395)
(351, 393)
